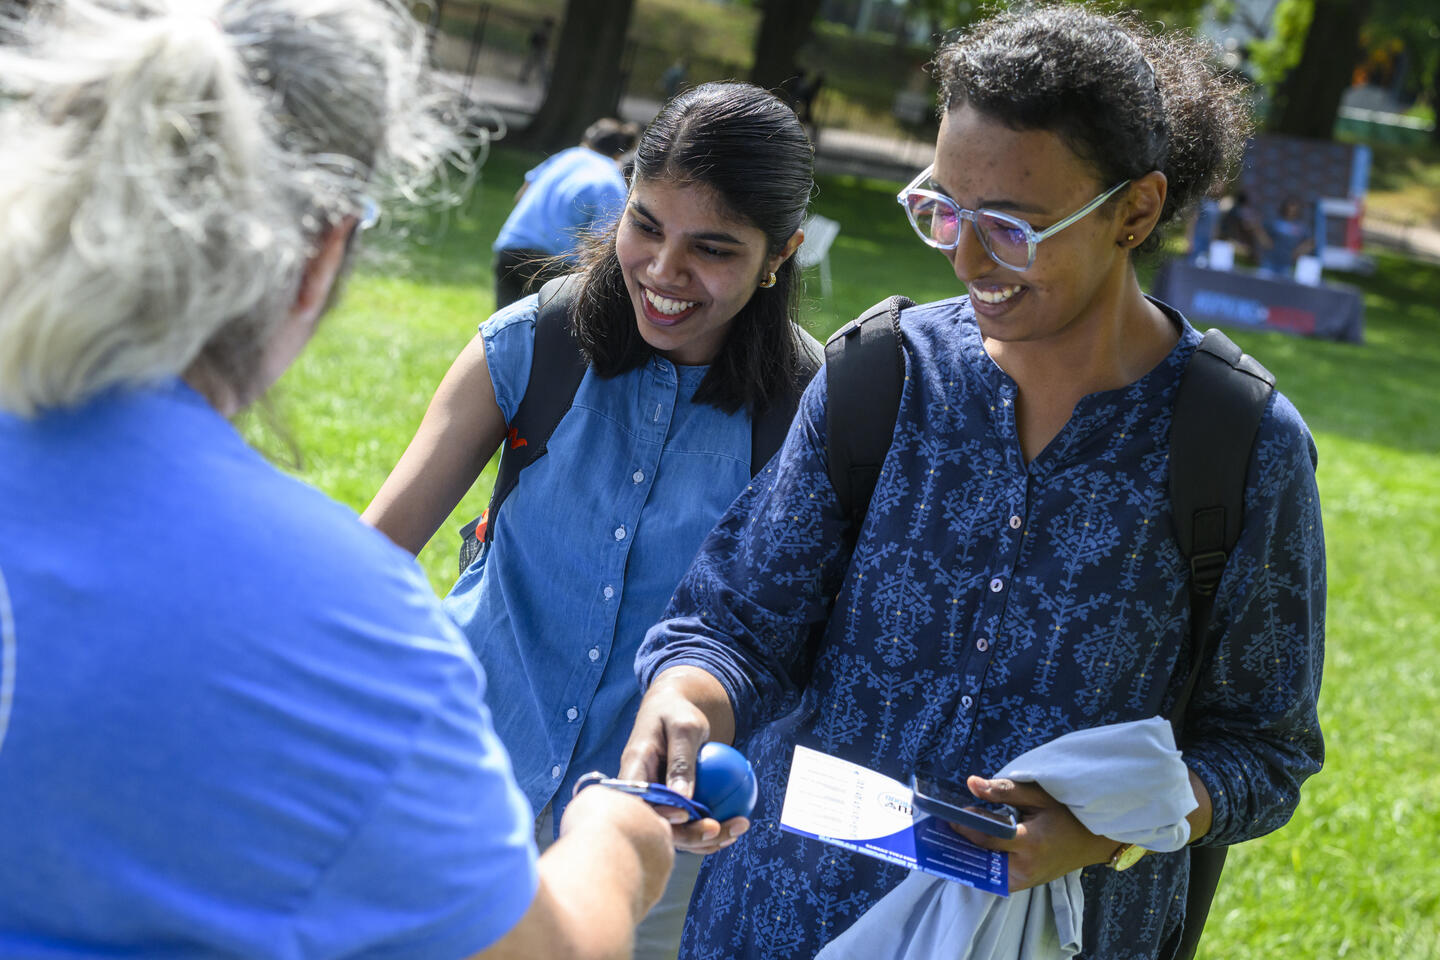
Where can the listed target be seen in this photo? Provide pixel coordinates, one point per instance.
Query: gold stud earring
(769, 281)
(1129, 238)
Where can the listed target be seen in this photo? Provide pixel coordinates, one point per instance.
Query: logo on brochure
(894, 801)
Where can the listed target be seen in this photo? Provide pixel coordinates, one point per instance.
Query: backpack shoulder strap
(1218, 408)
(556, 369)
(864, 376)
(768, 429)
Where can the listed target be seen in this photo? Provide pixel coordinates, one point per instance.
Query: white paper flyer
(842, 803)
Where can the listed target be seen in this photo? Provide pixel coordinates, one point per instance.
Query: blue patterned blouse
(988, 607)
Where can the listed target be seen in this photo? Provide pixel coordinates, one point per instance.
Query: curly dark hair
(747, 146)
(1126, 99)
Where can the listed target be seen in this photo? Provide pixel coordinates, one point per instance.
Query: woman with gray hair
(233, 720)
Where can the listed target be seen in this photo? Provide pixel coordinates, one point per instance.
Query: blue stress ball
(725, 781)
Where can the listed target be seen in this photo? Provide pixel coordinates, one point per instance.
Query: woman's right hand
(684, 708)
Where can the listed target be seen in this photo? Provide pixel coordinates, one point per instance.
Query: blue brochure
(842, 803)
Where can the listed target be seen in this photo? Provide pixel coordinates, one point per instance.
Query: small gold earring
(769, 281)
(1129, 238)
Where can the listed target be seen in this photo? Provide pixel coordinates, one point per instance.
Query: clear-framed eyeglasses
(1009, 240)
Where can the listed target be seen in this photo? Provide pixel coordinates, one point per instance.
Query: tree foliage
(1415, 25)
(1274, 56)
(1312, 51)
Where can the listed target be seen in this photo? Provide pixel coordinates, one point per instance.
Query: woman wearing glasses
(1016, 577)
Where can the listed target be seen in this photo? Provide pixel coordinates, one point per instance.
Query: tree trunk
(864, 16)
(1308, 100)
(784, 28)
(585, 82)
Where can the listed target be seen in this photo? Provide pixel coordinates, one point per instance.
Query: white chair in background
(820, 232)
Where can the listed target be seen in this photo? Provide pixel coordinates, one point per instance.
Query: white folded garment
(1125, 781)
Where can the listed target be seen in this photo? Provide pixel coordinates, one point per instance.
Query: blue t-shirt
(570, 192)
(1285, 238)
(587, 549)
(235, 722)
(988, 606)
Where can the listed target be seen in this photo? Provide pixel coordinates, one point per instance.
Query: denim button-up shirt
(587, 550)
(989, 606)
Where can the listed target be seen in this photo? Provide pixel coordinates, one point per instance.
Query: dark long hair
(1125, 99)
(748, 147)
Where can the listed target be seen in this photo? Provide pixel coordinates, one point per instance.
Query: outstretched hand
(669, 730)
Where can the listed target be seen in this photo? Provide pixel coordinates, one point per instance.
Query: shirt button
(594, 654)
(609, 592)
(997, 585)
(619, 533)
(966, 702)
(638, 476)
(555, 772)
(572, 713)
(982, 644)
(1014, 523)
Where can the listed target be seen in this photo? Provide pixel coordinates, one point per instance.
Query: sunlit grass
(1355, 874)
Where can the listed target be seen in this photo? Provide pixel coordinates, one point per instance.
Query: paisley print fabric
(989, 606)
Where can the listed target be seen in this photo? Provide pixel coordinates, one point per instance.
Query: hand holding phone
(959, 806)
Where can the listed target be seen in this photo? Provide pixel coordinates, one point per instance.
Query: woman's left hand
(1048, 843)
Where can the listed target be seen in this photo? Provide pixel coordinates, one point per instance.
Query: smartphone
(958, 806)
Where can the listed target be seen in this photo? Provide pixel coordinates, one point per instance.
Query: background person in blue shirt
(575, 191)
(1286, 238)
(1016, 577)
(233, 719)
(686, 316)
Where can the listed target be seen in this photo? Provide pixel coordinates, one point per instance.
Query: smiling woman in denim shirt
(685, 316)
(1016, 577)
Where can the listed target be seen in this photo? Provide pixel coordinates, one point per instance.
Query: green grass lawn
(1355, 874)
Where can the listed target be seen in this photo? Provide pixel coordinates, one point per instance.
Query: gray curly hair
(168, 166)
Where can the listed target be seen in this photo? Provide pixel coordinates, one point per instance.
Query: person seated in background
(571, 193)
(1240, 224)
(1287, 238)
(241, 725)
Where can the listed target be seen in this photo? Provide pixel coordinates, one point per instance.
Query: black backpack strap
(864, 376)
(768, 429)
(1218, 408)
(556, 369)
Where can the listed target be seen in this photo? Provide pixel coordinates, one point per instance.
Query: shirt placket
(1010, 515)
(658, 390)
